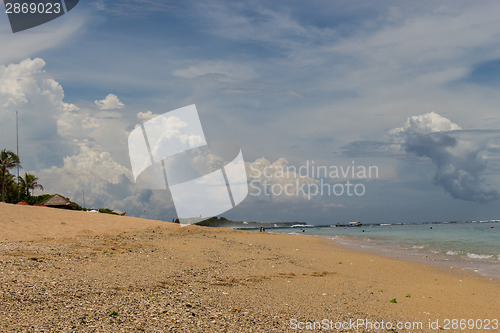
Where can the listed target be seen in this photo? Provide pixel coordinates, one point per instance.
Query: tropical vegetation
(14, 190)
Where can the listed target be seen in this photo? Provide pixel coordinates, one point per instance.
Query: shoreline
(432, 260)
(409, 251)
(488, 269)
(147, 276)
(452, 263)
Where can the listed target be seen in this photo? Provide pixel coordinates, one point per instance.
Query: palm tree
(10, 188)
(29, 182)
(8, 160)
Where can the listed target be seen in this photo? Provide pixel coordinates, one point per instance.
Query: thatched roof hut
(58, 201)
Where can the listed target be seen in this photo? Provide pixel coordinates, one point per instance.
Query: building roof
(58, 200)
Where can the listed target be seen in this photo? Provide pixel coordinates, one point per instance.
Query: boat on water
(355, 224)
(303, 226)
(351, 224)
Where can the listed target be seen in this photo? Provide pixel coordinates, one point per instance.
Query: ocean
(468, 245)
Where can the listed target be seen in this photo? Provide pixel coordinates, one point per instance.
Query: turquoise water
(473, 245)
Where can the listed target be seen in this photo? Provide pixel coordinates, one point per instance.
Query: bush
(37, 199)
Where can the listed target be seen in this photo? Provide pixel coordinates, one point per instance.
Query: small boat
(303, 226)
(355, 224)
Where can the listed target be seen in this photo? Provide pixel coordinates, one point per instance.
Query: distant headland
(222, 222)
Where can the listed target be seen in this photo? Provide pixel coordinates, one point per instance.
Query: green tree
(29, 182)
(8, 160)
(38, 199)
(10, 188)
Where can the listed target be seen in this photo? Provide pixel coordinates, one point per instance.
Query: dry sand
(63, 271)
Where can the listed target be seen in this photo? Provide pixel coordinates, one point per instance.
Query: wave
(479, 256)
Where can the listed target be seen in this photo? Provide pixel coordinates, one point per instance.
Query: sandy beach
(66, 271)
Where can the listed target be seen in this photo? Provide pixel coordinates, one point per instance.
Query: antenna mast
(17, 152)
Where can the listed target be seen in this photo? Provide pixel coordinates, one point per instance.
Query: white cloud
(25, 87)
(89, 167)
(231, 21)
(77, 125)
(49, 127)
(427, 123)
(70, 107)
(216, 70)
(174, 132)
(69, 148)
(17, 46)
(111, 102)
(107, 184)
(131, 7)
(145, 116)
(19, 80)
(264, 174)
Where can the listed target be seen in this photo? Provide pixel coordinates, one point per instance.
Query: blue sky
(411, 87)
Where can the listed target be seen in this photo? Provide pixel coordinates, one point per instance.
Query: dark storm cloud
(460, 156)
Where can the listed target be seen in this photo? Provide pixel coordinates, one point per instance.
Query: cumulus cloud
(88, 170)
(264, 174)
(89, 165)
(106, 183)
(279, 174)
(76, 125)
(145, 116)
(26, 87)
(169, 134)
(460, 160)
(427, 123)
(70, 107)
(111, 102)
(68, 148)
(21, 83)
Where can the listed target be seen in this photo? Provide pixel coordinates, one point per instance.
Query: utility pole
(17, 152)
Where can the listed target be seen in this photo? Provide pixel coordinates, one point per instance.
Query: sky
(407, 88)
